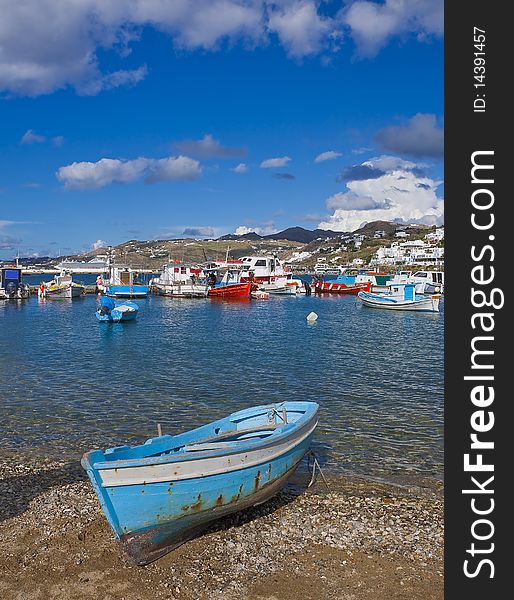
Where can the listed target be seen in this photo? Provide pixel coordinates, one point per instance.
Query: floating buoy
(312, 317)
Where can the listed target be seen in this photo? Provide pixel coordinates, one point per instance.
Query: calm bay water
(70, 383)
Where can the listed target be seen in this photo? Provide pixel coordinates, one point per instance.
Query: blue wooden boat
(158, 495)
(401, 296)
(110, 312)
(123, 282)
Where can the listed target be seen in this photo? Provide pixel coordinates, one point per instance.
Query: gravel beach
(354, 540)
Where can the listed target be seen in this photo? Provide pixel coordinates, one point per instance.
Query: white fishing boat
(278, 289)
(402, 296)
(62, 286)
(180, 281)
(427, 282)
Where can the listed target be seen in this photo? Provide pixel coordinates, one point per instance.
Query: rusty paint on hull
(145, 547)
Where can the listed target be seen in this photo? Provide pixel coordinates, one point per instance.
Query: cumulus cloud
(46, 45)
(329, 155)
(95, 175)
(208, 232)
(261, 229)
(419, 137)
(240, 168)
(299, 27)
(98, 244)
(401, 193)
(372, 25)
(207, 147)
(272, 163)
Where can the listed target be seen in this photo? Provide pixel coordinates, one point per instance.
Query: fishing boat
(342, 284)
(230, 285)
(62, 286)
(123, 282)
(428, 282)
(11, 284)
(110, 312)
(278, 289)
(180, 281)
(160, 494)
(402, 296)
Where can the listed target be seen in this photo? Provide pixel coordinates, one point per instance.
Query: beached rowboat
(158, 495)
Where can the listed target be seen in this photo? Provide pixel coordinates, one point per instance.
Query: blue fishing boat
(158, 495)
(110, 312)
(401, 296)
(123, 282)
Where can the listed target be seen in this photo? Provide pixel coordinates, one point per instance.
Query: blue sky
(214, 117)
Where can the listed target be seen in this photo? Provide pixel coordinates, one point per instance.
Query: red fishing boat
(335, 287)
(231, 290)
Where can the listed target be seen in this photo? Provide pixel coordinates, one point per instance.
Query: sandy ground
(356, 540)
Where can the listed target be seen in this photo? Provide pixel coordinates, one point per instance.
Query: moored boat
(62, 286)
(340, 285)
(402, 296)
(230, 285)
(231, 290)
(11, 284)
(124, 282)
(110, 312)
(180, 281)
(158, 495)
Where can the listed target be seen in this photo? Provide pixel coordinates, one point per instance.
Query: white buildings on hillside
(412, 252)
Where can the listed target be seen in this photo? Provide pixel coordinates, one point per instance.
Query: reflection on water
(70, 383)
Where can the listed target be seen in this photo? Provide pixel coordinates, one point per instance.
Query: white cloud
(94, 175)
(98, 244)
(271, 163)
(46, 45)
(240, 168)
(329, 155)
(402, 193)
(31, 137)
(372, 25)
(261, 229)
(173, 168)
(299, 27)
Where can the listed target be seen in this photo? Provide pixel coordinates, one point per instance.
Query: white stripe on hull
(191, 469)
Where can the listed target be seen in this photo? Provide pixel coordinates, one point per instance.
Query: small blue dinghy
(109, 312)
(159, 495)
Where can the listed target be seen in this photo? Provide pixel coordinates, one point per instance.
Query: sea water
(70, 383)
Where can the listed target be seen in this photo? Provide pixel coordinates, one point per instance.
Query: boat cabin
(11, 285)
(405, 291)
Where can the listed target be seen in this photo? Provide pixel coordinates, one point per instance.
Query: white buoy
(312, 317)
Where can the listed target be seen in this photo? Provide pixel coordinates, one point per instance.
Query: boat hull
(74, 291)
(203, 502)
(428, 304)
(127, 291)
(122, 312)
(233, 290)
(182, 290)
(327, 287)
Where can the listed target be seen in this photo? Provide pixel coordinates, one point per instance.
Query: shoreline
(357, 540)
